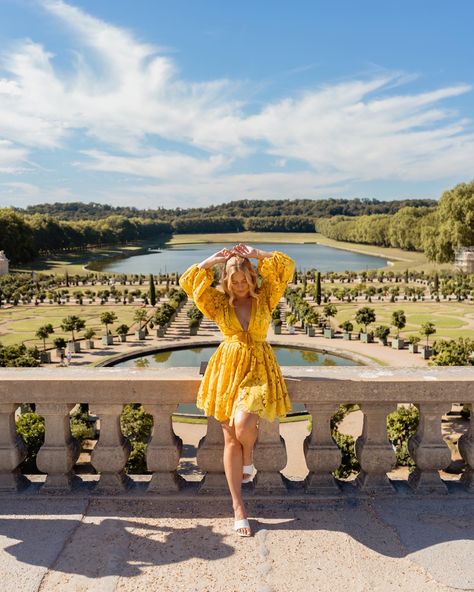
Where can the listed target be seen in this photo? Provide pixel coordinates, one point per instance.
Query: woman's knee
(246, 426)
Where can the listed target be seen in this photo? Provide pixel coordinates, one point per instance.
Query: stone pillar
(210, 459)
(429, 450)
(12, 449)
(466, 449)
(163, 451)
(322, 454)
(269, 459)
(112, 450)
(374, 450)
(60, 450)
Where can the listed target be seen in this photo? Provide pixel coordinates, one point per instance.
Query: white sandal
(248, 470)
(243, 523)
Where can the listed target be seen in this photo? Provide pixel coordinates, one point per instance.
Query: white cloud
(218, 189)
(164, 165)
(123, 96)
(12, 158)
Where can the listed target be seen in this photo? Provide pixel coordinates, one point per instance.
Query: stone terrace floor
(87, 544)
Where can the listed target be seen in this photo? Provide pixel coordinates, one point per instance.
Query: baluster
(269, 459)
(466, 449)
(322, 454)
(429, 450)
(112, 450)
(60, 450)
(164, 451)
(374, 450)
(210, 459)
(12, 449)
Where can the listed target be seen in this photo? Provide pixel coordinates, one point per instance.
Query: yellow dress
(243, 372)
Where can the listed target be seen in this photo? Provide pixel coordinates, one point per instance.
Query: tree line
(437, 231)
(245, 208)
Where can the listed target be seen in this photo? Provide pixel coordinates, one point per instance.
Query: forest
(436, 228)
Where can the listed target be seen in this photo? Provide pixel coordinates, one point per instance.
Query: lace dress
(243, 372)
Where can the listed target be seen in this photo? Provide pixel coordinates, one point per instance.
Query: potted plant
(427, 329)
(43, 333)
(160, 319)
(413, 341)
(311, 318)
(291, 322)
(365, 316)
(60, 345)
(399, 321)
(276, 320)
(73, 323)
(329, 311)
(88, 336)
(347, 328)
(193, 325)
(277, 326)
(122, 332)
(382, 332)
(108, 318)
(141, 318)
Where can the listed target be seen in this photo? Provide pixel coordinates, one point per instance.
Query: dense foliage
(244, 208)
(438, 231)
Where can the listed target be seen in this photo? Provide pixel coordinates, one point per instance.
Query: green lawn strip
(23, 324)
(447, 325)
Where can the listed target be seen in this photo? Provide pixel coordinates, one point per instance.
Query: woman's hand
(220, 257)
(245, 251)
(250, 252)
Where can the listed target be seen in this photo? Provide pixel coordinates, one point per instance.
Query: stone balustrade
(321, 390)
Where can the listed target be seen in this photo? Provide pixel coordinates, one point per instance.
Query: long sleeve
(276, 272)
(197, 283)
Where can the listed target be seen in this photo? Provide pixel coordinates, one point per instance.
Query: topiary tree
(140, 317)
(399, 320)
(44, 332)
(89, 333)
(329, 311)
(365, 316)
(108, 318)
(317, 288)
(123, 329)
(152, 291)
(382, 332)
(73, 323)
(427, 329)
(347, 326)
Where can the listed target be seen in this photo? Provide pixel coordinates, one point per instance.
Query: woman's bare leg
(246, 433)
(233, 472)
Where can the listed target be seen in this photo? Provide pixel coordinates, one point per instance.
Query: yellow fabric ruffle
(243, 372)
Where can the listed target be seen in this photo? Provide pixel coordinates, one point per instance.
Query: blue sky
(185, 103)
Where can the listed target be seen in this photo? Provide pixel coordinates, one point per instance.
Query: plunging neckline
(252, 308)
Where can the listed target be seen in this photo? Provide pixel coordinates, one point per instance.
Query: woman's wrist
(262, 254)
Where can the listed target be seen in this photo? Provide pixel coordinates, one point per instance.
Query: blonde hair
(233, 265)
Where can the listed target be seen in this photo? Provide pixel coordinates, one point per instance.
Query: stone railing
(106, 390)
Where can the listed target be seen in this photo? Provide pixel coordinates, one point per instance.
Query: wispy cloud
(128, 102)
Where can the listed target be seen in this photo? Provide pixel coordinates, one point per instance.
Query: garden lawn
(451, 319)
(19, 324)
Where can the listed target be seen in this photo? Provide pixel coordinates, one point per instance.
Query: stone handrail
(106, 390)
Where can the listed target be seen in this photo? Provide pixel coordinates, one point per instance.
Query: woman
(242, 381)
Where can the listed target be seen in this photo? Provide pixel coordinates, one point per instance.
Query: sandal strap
(243, 523)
